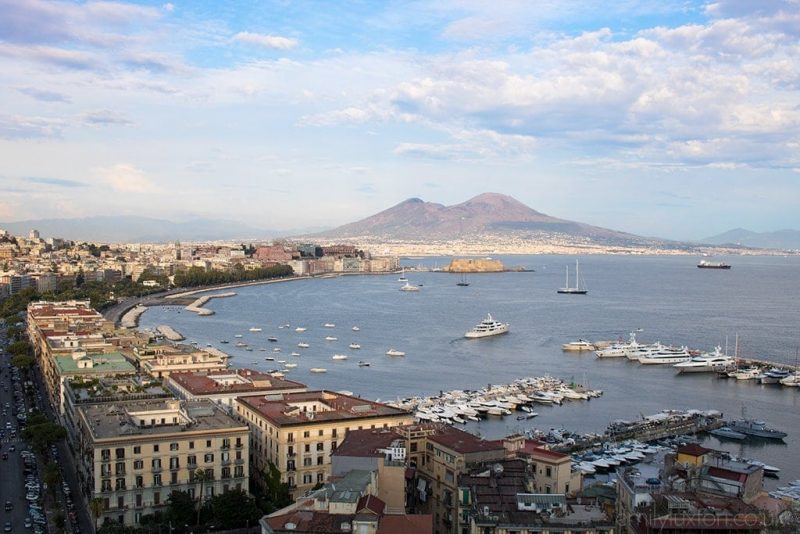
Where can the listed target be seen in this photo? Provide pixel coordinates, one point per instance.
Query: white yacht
(355, 346)
(331, 338)
(393, 352)
(666, 355)
(487, 327)
(299, 329)
(409, 287)
(618, 350)
(706, 363)
(318, 370)
(255, 329)
(403, 276)
(577, 346)
(302, 345)
(339, 357)
(748, 373)
(356, 329)
(329, 325)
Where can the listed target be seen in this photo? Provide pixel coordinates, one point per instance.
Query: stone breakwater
(131, 317)
(197, 305)
(170, 333)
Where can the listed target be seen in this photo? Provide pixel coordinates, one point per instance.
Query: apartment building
(223, 387)
(161, 359)
(297, 432)
(132, 455)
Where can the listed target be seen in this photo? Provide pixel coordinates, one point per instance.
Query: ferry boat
(577, 346)
(393, 352)
(409, 287)
(487, 327)
(355, 346)
(712, 265)
(706, 363)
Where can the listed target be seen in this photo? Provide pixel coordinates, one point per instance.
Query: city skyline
(671, 119)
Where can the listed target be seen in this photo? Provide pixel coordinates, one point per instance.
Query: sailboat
(403, 276)
(577, 290)
(463, 282)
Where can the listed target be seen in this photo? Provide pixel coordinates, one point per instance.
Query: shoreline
(197, 305)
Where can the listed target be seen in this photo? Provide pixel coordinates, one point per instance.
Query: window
(238, 443)
(307, 447)
(156, 479)
(119, 468)
(226, 443)
(138, 500)
(155, 448)
(548, 471)
(333, 445)
(320, 460)
(120, 453)
(413, 446)
(120, 484)
(139, 481)
(105, 454)
(156, 463)
(138, 464)
(209, 457)
(238, 472)
(105, 485)
(208, 444)
(306, 434)
(173, 478)
(120, 502)
(320, 477)
(547, 489)
(174, 463)
(226, 472)
(320, 446)
(173, 446)
(307, 479)
(137, 449)
(191, 444)
(191, 460)
(290, 437)
(319, 433)
(156, 498)
(306, 461)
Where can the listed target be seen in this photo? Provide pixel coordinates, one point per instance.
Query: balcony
(239, 461)
(239, 445)
(174, 468)
(120, 472)
(291, 454)
(225, 446)
(226, 461)
(156, 469)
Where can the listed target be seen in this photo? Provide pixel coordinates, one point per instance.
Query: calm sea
(668, 298)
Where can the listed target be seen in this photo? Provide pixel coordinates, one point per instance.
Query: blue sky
(672, 118)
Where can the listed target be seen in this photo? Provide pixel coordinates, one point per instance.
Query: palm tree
(96, 506)
(202, 476)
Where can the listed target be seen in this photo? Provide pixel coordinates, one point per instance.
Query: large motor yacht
(706, 363)
(666, 355)
(487, 327)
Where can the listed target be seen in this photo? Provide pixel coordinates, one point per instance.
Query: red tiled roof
(279, 408)
(693, 449)
(727, 474)
(365, 443)
(406, 524)
(463, 442)
(534, 448)
(371, 503)
(310, 521)
(204, 384)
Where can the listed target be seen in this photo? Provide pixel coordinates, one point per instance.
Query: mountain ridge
(785, 239)
(485, 214)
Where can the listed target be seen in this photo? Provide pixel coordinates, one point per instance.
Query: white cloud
(105, 118)
(267, 41)
(125, 178)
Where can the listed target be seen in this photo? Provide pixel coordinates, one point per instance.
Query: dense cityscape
(120, 429)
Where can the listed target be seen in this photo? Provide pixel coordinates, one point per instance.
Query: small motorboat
(356, 329)
(355, 346)
(393, 352)
(363, 364)
(272, 339)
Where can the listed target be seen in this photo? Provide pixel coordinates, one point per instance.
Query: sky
(670, 118)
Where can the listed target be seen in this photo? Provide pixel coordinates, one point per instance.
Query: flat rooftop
(288, 409)
(154, 417)
(241, 381)
(90, 364)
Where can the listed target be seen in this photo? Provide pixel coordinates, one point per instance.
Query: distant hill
(779, 239)
(485, 214)
(133, 229)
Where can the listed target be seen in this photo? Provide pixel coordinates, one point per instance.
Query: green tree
(52, 477)
(42, 435)
(96, 506)
(23, 361)
(180, 507)
(20, 348)
(276, 493)
(233, 509)
(80, 278)
(202, 476)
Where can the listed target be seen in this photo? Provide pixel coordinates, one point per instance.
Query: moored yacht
(774, 376)
(577, 346)
(618, 350)
(706, 363)
(666, 355)
(409, 287)
(355, 346)
(487, 327)
(393, 352)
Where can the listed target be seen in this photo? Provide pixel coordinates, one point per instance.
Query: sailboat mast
(566, 284)
(577, 275)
